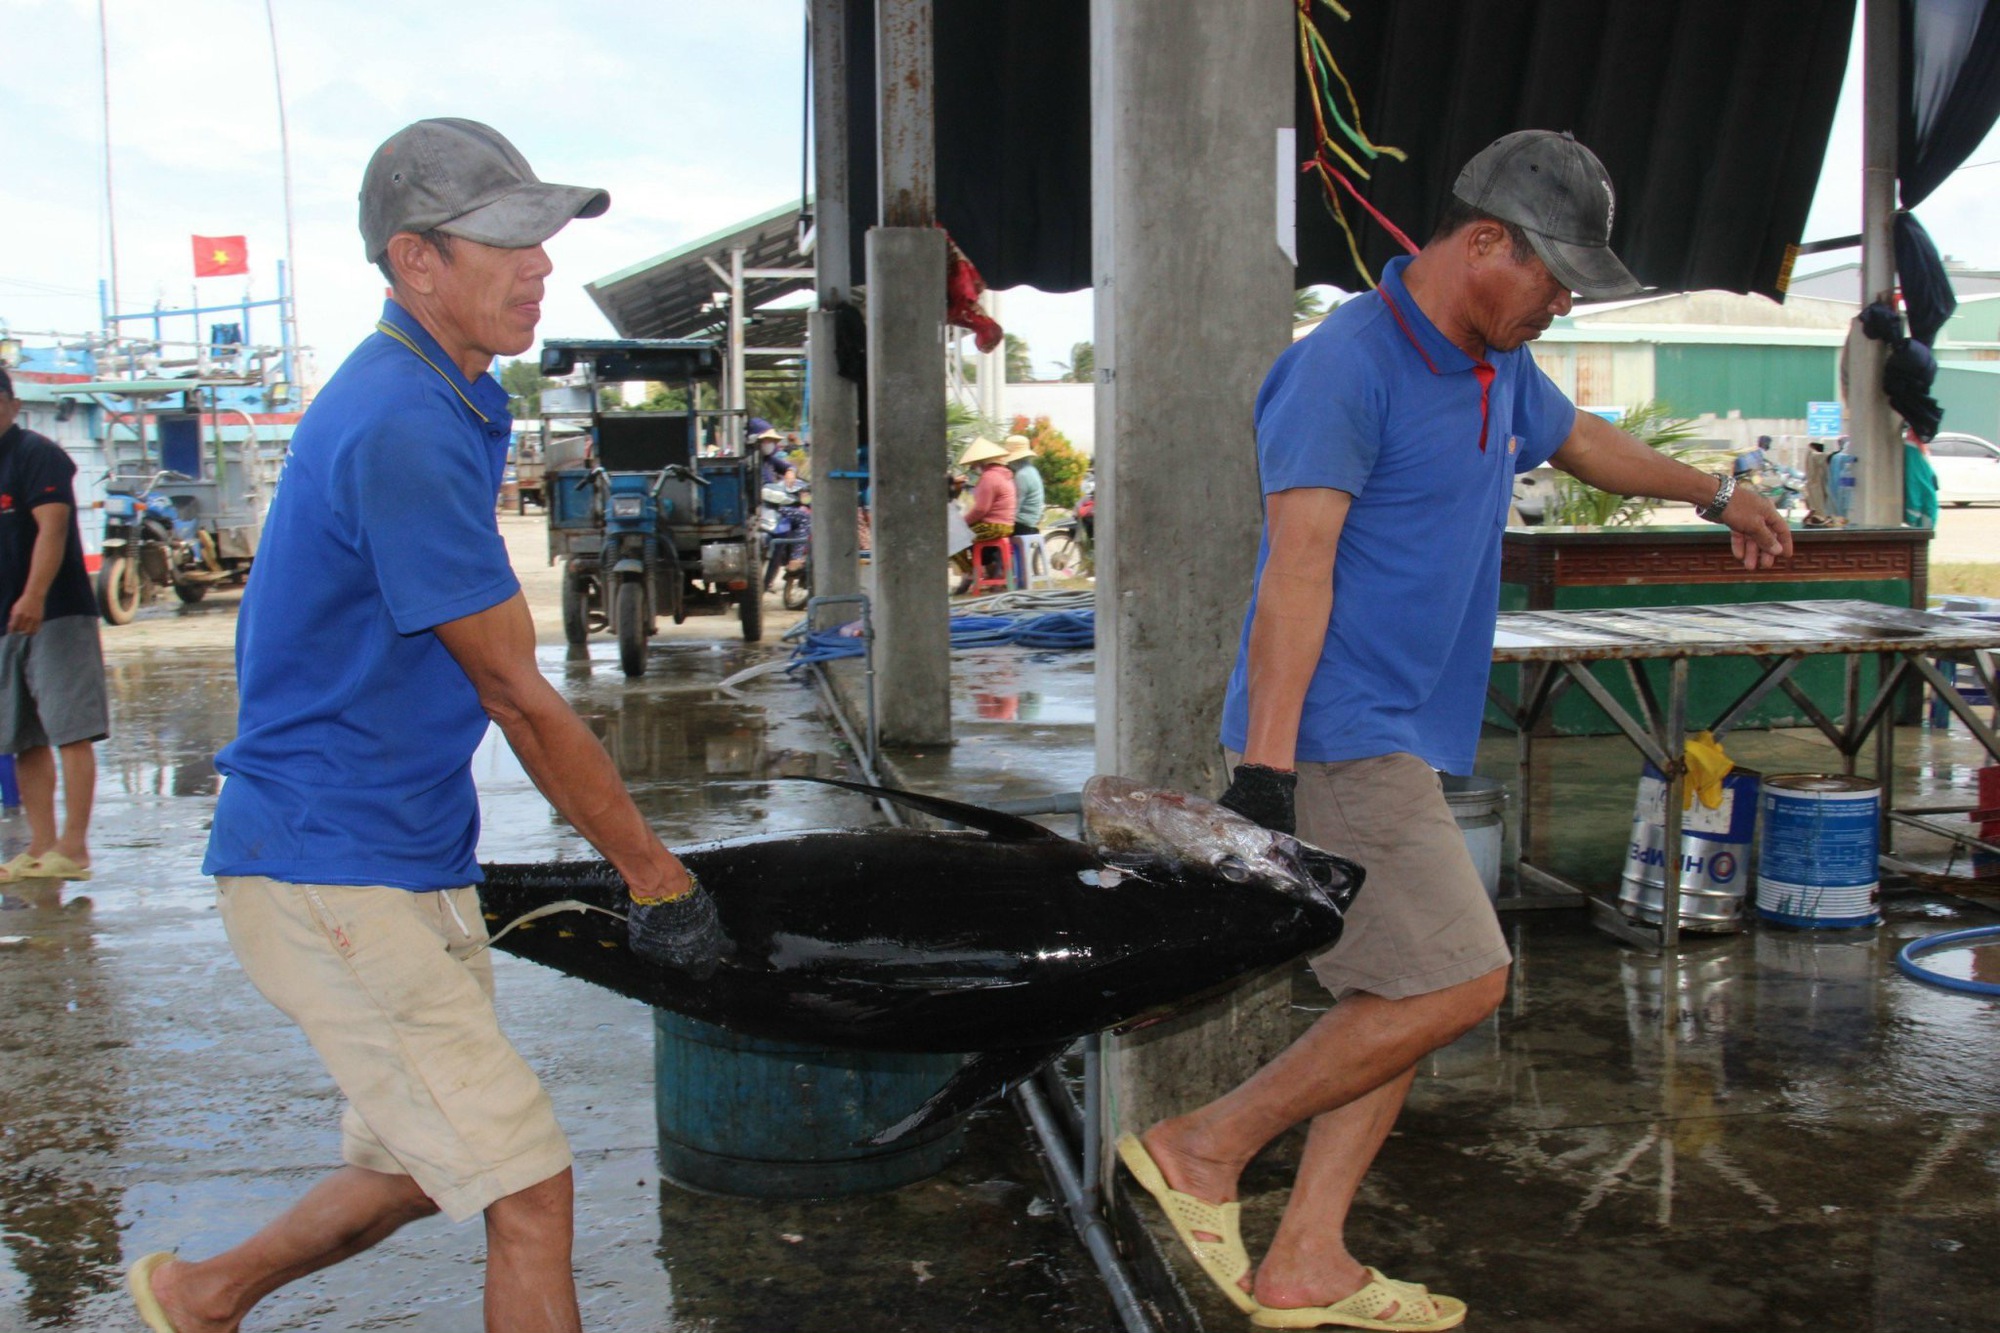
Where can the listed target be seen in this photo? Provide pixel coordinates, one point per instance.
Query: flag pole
(289, 309)
(110, 206)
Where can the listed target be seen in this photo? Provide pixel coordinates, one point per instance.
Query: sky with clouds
(688, 111)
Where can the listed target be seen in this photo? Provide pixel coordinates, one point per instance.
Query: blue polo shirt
(352, 762)
(1378, 403)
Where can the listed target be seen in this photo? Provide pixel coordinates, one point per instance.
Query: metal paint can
(1476, 804)
(1715, 854)
(1818, 853)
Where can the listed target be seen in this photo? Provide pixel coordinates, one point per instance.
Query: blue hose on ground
(1056, 630)
(1906, 959)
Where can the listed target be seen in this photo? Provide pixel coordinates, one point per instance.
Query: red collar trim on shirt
(1483, 371)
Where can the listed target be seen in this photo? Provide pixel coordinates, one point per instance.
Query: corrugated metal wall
(1756, 381)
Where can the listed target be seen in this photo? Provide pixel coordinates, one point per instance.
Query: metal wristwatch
(1712, 511)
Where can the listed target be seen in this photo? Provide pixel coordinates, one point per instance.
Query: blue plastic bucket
(781, 1120)
(1818, 865)
(1715, 854)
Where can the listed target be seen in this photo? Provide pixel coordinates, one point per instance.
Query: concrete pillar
(1194, 300)
(835, 401)
(1874, 432)
(906, 460)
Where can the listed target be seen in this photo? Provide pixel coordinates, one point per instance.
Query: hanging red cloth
(962, 289)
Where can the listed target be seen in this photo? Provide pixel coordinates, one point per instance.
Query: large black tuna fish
(1007, 940)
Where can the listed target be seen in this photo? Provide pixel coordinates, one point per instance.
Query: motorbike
(148, 547)
(784, 515)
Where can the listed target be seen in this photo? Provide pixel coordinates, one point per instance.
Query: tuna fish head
(1123, 818)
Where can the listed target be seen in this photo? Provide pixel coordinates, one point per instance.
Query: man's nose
(1565, 299)
(538, 264)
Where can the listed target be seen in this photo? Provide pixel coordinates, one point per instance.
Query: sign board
(1614, 415)
(1822, 420)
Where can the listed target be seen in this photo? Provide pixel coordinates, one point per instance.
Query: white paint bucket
(1818, 865)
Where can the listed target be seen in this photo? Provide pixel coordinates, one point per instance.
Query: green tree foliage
(1580, 504)
(524, 382)
(963, 425)
(1082, 365)
(1020, 367)
(1306, 304)
(1062, 466)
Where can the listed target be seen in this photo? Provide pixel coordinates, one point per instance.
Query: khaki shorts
(1422, 921)
(393, 991)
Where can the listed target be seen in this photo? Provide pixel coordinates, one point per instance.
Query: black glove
(1264, 796)
(683, 933)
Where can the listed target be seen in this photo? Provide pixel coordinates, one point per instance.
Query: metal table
(1555, 650)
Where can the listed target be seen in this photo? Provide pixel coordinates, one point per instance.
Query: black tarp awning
(1711, 115)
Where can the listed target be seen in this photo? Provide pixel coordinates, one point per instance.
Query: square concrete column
(906, 463)
(836, 556)
(1194, 302)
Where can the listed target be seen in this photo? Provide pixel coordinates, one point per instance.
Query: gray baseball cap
(464, 179)
(1556, 190)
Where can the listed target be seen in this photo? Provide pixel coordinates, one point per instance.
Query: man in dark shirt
(51, 667)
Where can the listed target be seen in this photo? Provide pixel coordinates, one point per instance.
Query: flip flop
(139, 1281)
(54, 865)
(18, 868)
(1417, 1310)
(1224, 1260)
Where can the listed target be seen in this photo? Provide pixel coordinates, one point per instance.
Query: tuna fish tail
(980, 1079)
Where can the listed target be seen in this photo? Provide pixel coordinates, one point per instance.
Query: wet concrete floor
(1769, 1130)
(150, 1099)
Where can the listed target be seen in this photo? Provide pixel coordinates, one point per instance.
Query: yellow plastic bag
(1707, 766)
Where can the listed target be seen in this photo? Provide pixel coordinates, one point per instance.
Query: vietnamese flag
(220, 256)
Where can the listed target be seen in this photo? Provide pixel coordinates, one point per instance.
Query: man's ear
(413, 261)
(1484, 239)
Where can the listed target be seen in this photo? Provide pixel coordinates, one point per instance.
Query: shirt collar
(1440, 353)
(483, 397)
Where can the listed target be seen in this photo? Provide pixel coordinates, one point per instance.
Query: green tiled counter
(1577, 569)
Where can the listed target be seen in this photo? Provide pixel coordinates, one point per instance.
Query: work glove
(1263, 796)
(683, 933)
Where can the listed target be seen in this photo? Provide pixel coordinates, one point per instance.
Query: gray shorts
(1422, 921)
(52, 686)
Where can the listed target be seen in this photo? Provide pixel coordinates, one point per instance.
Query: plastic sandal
(1224, 1260)
(1417, 1310)
(139, 1281)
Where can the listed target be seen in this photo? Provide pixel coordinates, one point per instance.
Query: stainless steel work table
(1555, 650)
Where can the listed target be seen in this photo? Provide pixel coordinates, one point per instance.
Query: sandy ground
(212, 622)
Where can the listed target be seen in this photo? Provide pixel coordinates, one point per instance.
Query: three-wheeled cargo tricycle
(646, 517)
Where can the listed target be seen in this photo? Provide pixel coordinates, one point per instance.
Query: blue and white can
(1715, 854)
(1818, 855)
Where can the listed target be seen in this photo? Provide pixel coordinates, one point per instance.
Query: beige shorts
(1422, 920)
(394, 992)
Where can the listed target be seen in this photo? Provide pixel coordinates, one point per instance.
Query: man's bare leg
(1362, 1046)
(1308, 1262)
(346, 1213)
(35, 768)
(79, 783)
(530, 1287)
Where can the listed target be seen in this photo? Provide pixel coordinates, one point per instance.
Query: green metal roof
(667, 296)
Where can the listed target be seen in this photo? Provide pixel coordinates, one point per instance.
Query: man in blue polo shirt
(382, 632)
(1388, 441)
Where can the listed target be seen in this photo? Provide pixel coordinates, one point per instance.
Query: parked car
(1968, 469)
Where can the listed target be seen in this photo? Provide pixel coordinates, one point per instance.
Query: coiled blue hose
(1906, 959)
(1058, 630)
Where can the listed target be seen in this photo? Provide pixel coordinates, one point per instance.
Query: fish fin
(1005, 827)
(980, 1079)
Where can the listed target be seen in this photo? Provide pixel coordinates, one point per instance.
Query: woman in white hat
(990, 512)
(1029, 492)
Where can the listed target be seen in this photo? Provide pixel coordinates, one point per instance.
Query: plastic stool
(1032, 562)
(1002, 581)
(10, 787)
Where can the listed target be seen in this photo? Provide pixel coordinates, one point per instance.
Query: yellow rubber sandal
(54, 865)
(1224, 1260)
(1417, 1310)
(16, 869)
(139, 1281)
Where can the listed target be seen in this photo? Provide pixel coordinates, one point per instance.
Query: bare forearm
(46, 559)
(570, 767)
(1625, 466)
(1286, 639)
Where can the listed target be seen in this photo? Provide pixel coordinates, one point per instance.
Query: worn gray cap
(464, 179)
(1556, 190)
